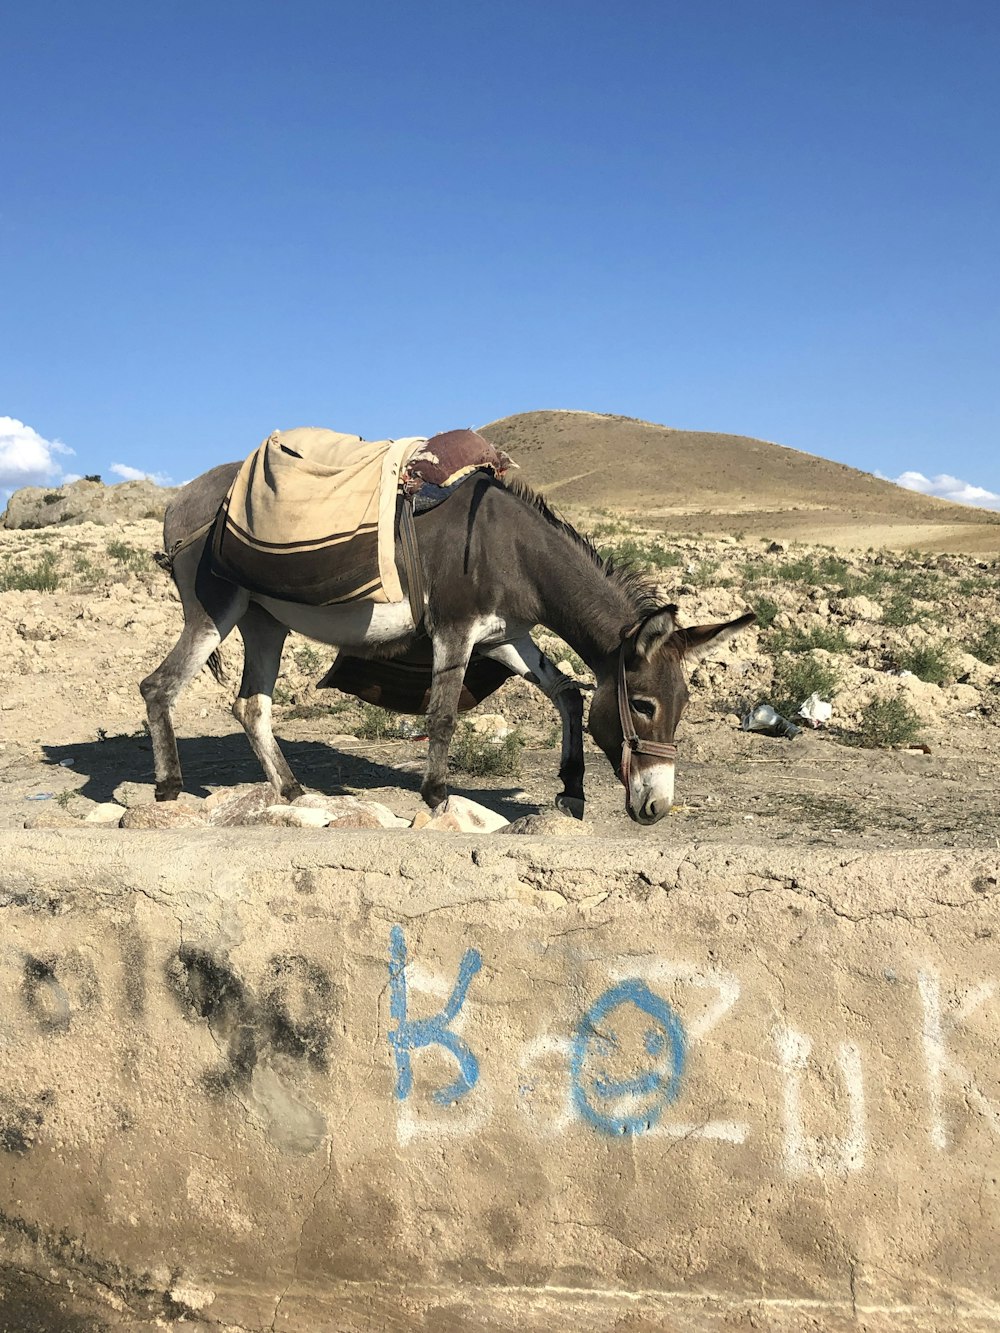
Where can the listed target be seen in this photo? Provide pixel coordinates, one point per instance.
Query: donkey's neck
(574, 597)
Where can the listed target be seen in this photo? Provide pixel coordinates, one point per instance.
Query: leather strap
(632, 742)
(411, 563)
(165, 559)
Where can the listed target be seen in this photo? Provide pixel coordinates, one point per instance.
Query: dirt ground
(75, 644)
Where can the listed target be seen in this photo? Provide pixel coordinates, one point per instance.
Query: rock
(52, 818)
(460, 815)
(343, 807)
(231, 806)
(860, 608)
(549, 826)
(107, 812)
(85, 502)
(164, 814)
(359, 818)
(490, 725)
(134, 794)
(291, 816)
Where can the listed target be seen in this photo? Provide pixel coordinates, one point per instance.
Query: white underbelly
(343, 626)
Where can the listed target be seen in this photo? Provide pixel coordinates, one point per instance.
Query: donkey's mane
(625, 574)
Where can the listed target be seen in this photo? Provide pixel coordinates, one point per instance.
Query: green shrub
(645, 554)
(898, 610)
(93, 476)
(378, 724)
(309, 659)
(485, 756)
(704, 574)
(886, 722)
(831, 637)
(986, 646)
(765, 610)
(975, 585)
(795, 678)
(930, 662)
(88, 573)
(828, 571)
(129, 557)
(42, 577)
(52, 498)
(309, 712)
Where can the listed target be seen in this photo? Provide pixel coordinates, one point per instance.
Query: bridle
(632, 742)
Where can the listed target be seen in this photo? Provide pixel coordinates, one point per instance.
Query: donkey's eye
(644, 707)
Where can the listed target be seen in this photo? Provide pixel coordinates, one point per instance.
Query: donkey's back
(197, 503)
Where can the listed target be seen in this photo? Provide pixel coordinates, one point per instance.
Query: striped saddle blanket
(312, 515)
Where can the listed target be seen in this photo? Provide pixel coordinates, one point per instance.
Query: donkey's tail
(217, 667)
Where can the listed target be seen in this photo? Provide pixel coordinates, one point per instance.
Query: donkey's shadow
(212, 761)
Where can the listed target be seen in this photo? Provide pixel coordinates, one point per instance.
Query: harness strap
(411, 563)
(165, 559)
(632, 742)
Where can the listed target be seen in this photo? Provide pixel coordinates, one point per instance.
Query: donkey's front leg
(569, 701)
(452, 650)
(526, 658)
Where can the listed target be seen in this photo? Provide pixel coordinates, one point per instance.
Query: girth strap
(411, 562)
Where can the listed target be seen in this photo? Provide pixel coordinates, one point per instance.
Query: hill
(699, 481)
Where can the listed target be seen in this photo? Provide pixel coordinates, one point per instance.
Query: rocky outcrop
(86, 502)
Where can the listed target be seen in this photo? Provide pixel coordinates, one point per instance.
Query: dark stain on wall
(135, 957)
(57, 1303)
(55, 986)
(294, 1017)
(20, 1122)
(298, 1008)
(29, 1305)
(44, 995)
(207, 988)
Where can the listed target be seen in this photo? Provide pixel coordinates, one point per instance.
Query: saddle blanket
(312, 514)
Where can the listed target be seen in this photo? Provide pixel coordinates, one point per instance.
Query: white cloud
(27, 458)
(946, 487)
(129, 473)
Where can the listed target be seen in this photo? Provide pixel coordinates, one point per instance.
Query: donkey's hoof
(167, 791)
(570, 805)
(435, 795)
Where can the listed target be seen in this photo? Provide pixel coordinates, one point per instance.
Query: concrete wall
(258, 1079)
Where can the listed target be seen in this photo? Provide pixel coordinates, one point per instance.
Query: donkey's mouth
(640, 817)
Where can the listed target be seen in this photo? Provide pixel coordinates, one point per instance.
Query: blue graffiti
(620, 1087)
(410, 1034)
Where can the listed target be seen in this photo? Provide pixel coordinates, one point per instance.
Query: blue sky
(223, 216)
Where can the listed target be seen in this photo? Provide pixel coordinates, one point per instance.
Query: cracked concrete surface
(710, 1086)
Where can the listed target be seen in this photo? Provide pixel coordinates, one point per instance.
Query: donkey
(496, 561)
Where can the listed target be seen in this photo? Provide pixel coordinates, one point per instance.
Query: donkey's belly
(343, 626)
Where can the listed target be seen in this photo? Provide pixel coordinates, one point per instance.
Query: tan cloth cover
(311, 518)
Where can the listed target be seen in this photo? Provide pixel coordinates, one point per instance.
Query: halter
(632, 742)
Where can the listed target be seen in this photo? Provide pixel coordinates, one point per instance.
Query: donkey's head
(640, 696)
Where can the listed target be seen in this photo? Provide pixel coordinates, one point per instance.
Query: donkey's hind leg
(263, 639)
(204, 629)
(452, 650)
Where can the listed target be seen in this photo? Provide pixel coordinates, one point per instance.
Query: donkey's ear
(660, 625)
(696, 640)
